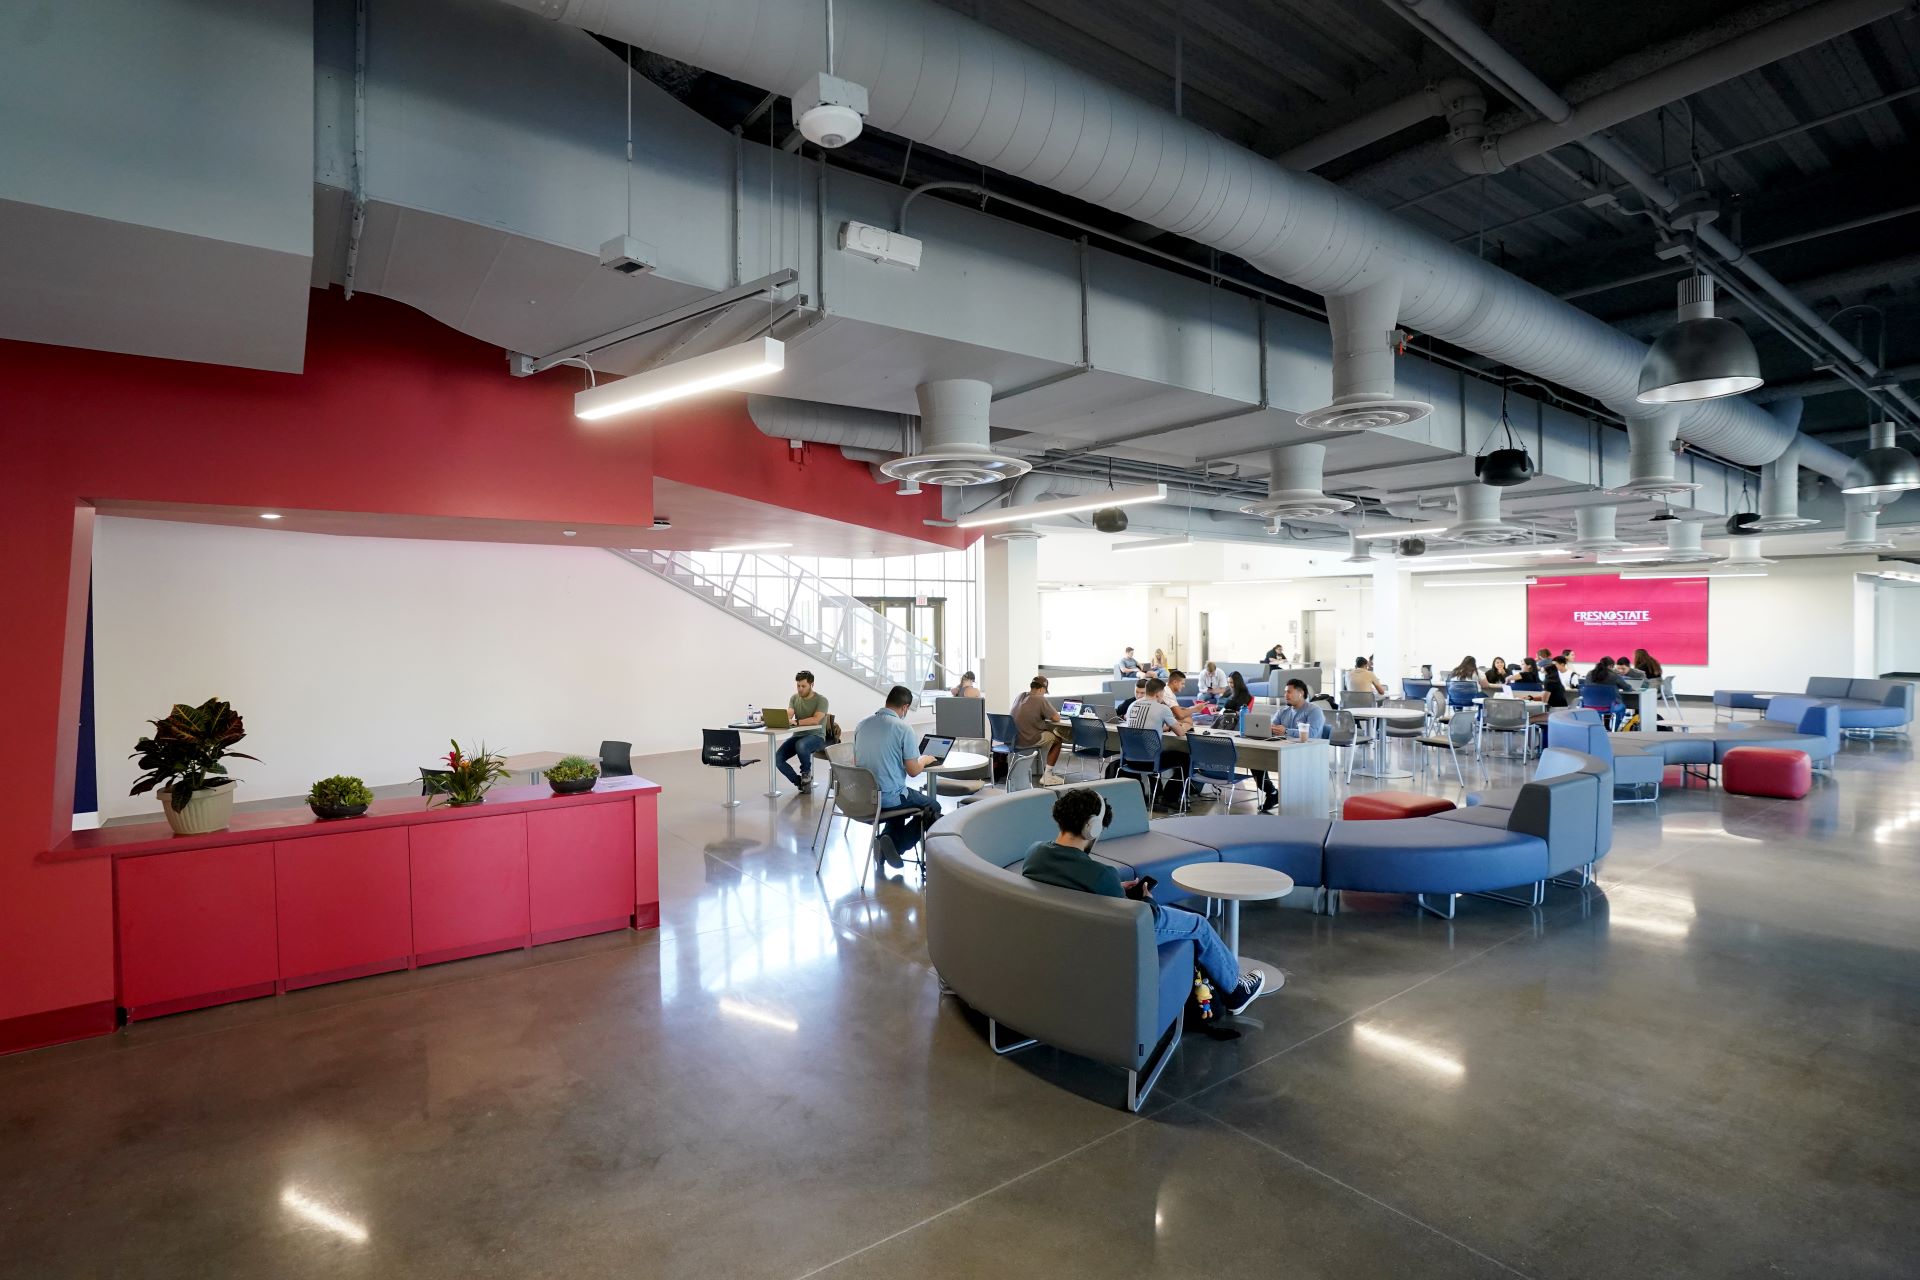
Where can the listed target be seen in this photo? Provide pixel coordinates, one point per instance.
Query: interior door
(1319, 634)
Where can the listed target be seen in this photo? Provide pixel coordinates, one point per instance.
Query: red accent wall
(395, 414)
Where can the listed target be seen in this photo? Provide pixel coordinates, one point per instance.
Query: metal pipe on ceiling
(1485, 55)
(941, 80)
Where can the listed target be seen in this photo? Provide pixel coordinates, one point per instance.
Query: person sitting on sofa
(1299, 711)
(1213, 683)
(1065, 863)
(1127, 666)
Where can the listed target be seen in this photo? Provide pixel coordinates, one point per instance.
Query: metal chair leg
(732, 802)
(993, 1040)
(1136, 1091)
(1453, 902)
(821, 844)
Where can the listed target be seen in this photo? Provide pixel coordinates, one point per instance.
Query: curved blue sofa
(1867, 706)
(1117, 998)
(1790, 722)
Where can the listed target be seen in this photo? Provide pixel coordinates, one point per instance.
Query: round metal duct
(955, 447)
(1593, 529)
(1293, 486)
(1479, 523)
(1650, 457)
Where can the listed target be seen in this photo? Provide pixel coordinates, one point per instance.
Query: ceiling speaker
(1110, 520)
(1504, 468)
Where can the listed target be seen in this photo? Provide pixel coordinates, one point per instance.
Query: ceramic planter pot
(571, 786)
(207, 810)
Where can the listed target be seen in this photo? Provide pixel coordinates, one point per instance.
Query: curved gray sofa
(1082, 973)
(1866, 706)
(1790, 722)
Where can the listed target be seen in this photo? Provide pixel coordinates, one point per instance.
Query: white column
(1392, 622)
(1011, 609)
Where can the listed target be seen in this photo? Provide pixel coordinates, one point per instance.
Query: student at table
(1139, 691)
(1127, 666)
(809, 711)
(886, 748)
(1299, 710)
(968, 687)
(1079, 814)
(1148, 711)
(1213, 682)
(1033, 720)
(1238, 699)
(1362, 679)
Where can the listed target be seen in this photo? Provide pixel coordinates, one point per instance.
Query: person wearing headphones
(1064, 862)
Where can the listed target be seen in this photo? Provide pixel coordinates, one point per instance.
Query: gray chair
(1509, 716)
(838, 753)
(1462, 732)
(1342, 736)
(856, 798)
(1409, 730)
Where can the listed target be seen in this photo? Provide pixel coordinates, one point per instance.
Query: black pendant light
(1740, 522)
(1504, 468)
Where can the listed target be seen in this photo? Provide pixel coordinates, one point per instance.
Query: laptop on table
(938, 748)
(777, 718)
(1256, 724)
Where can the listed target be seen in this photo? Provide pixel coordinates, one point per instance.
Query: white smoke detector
(954, 439)
(1364, 411)
(1479, 522)
(830, 110)
(1293, 486)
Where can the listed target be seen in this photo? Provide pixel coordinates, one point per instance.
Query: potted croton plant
(184, 761)
(466, 779)
(573, 775)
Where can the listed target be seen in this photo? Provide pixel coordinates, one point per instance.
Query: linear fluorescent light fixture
(723, 368)
(1251, 582)
(755, 546)
(1131, 496)
(1154, 544)
(1400, 533)
(1509, 582)
(1746, 573)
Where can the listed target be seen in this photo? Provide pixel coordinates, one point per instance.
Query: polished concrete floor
(1709, 1066)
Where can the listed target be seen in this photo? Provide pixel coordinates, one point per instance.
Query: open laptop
(776, 718)
(1256, 724)
(1072, 708)
(938, 748)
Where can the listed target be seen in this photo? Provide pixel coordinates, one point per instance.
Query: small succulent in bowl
(339, 797)
(573, 775)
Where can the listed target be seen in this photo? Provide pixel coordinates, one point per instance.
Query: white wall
(1762, 633)
(365, 655)
(1897, 628)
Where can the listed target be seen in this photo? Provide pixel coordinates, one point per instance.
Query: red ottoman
(1395, 804)
(1766, 771)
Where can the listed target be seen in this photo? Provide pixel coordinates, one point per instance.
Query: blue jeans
(1176, 924)
(906, 830)
(804, 745)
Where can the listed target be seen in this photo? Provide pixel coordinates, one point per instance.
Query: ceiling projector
(1110, 520)
(829, 110)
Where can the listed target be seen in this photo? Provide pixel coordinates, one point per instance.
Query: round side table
(1234, 883)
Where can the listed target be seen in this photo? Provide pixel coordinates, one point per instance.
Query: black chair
(720, 749)
(616, 759)
(429, 776)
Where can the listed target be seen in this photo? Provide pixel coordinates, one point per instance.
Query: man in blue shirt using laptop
(1298, 711)
(884, 746)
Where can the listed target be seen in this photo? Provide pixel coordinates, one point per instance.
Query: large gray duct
(869, 430)
(942, 80)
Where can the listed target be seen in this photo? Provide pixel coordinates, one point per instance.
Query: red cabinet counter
(282, 900)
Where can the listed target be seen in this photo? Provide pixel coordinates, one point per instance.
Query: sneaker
(1052, 779)
(806, 781)
(884, 851)
(1252, 983)
(1271, 802)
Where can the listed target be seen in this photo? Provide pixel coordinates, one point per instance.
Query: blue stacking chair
(1140, 758)
(1001, 727)
(1461, 693)
(1603, 698)
(1212, 760)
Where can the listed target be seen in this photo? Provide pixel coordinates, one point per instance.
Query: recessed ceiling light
(755, 546)
(269, 515)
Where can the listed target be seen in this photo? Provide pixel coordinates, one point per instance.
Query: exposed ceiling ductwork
(929, 72)
(1863, 524)
(1650, 458)
(1479, 522)
(1293, 486)
(1683, 546)
(955, 448)
(1593, 529)
(1780, 496)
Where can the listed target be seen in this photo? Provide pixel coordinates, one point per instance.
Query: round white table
(1397, 715)
(956, 762)
(1234, 883)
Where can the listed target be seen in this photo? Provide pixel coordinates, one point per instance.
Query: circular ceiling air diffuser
(955, 442)
(1480, 523)
(1293, 486)
(1364, 412)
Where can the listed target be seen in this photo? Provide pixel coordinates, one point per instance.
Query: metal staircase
(801, 609)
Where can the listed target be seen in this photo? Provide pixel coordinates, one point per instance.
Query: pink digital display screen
(1607, 614)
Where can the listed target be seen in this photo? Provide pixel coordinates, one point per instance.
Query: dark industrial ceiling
(1811, 160)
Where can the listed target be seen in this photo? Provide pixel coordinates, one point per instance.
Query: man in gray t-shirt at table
(809, 710)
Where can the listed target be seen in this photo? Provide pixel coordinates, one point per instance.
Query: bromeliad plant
(186, 751)
(468, 778)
